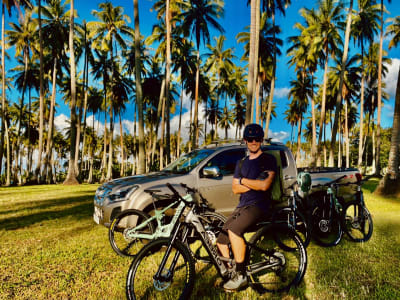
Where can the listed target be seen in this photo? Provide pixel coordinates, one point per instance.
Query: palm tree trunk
(85, 87)
(110, 148)
(71, 176)
(250, 76)
(360, 144)
(256, 60)
(168, 75)
(121, 134)
(49, 146)
(314, 129)
(178, 139)
(162, 134)
(298, 139)
(159, 108)
(139, 94)
(389, 183)
(322, 118)
(41, 95)
(378, 121)
(272, 89)
(196, 104)
(339, 95)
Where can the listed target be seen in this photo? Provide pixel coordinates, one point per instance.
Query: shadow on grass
(44, 204)
(78, 212)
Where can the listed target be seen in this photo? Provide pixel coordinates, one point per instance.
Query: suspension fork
(169, 248)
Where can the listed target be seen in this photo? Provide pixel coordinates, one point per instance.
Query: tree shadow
(44, 204)
(78, 212)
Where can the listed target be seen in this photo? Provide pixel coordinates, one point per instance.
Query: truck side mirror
(211, 172)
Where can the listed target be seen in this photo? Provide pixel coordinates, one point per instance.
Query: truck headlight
(122, 194)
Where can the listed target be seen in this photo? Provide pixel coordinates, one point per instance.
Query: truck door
(218, 191)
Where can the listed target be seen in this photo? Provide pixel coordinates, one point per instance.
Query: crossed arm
(252, 184)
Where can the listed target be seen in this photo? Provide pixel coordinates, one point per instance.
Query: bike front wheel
(272, 267)
(176, 279)
(357, 221)
(326, 225)
(118, 233)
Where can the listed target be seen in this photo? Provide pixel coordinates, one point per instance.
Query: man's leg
(238, 247)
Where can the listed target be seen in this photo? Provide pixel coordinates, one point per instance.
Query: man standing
(253, 180)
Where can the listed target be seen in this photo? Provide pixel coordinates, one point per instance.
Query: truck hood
(121, 185)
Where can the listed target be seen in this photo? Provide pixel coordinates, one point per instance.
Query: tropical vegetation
(104, 67)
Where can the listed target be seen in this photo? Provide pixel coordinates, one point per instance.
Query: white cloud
(61, 122)
(392, 77)
(281, 92)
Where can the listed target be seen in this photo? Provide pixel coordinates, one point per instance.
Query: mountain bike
(164, 268)
(295, 213)
(132, 228)
(326, 220)
(356, 219)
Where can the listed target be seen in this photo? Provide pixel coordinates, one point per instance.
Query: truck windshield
(187, 162)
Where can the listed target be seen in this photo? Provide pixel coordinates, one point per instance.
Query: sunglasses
(257, 140)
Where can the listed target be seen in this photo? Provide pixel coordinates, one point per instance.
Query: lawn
(51, 249)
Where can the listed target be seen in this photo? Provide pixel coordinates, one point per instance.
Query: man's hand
(259, 185)
(238, 188)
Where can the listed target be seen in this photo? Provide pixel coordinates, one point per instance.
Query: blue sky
(236, 18)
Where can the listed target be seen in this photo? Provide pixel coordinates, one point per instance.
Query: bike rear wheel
(357, 221)
(296, 220)
(117, 233)
(175, 282)
(271, 267)
(326, 226)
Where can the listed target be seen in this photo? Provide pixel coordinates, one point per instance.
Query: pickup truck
(210, 170)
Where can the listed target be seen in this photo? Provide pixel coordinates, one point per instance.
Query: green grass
(51, 249)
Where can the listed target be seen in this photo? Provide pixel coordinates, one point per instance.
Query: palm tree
(350, 79)
(326, 24)
(22, 36)
(55, 29)
(4, 127)
(339, 96)
(305, 61)
(219, 60)
(71, 176)
(110, 29)
(139, 94)
(378, 121)
(197, 16)
(271, 6)
(389, 183)
(364, 28)
(300, 92)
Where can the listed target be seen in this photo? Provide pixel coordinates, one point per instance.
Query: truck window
(283, 159)
(226, 161)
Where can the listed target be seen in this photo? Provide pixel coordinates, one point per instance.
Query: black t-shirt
(256, 169)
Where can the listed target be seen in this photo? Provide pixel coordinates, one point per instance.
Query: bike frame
(161, 230)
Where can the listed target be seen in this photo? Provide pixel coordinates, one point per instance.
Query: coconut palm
(325, 22)
(22, 37)
(139, 94)
(197, 16)
(389, 183)
(339, 96)
(364, 28)
(271, 6)
(219, 61)
(6, 4)
(111, 28)
(378, 121)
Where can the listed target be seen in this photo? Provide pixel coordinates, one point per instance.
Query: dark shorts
(240, 220)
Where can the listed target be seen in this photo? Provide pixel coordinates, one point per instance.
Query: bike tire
(213, 223)
(327, 231)
(357, 221)
(178, 283)
(296, 219)
(288, 266)
(119, 242)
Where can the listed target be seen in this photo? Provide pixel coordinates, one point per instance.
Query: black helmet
(253, 131)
